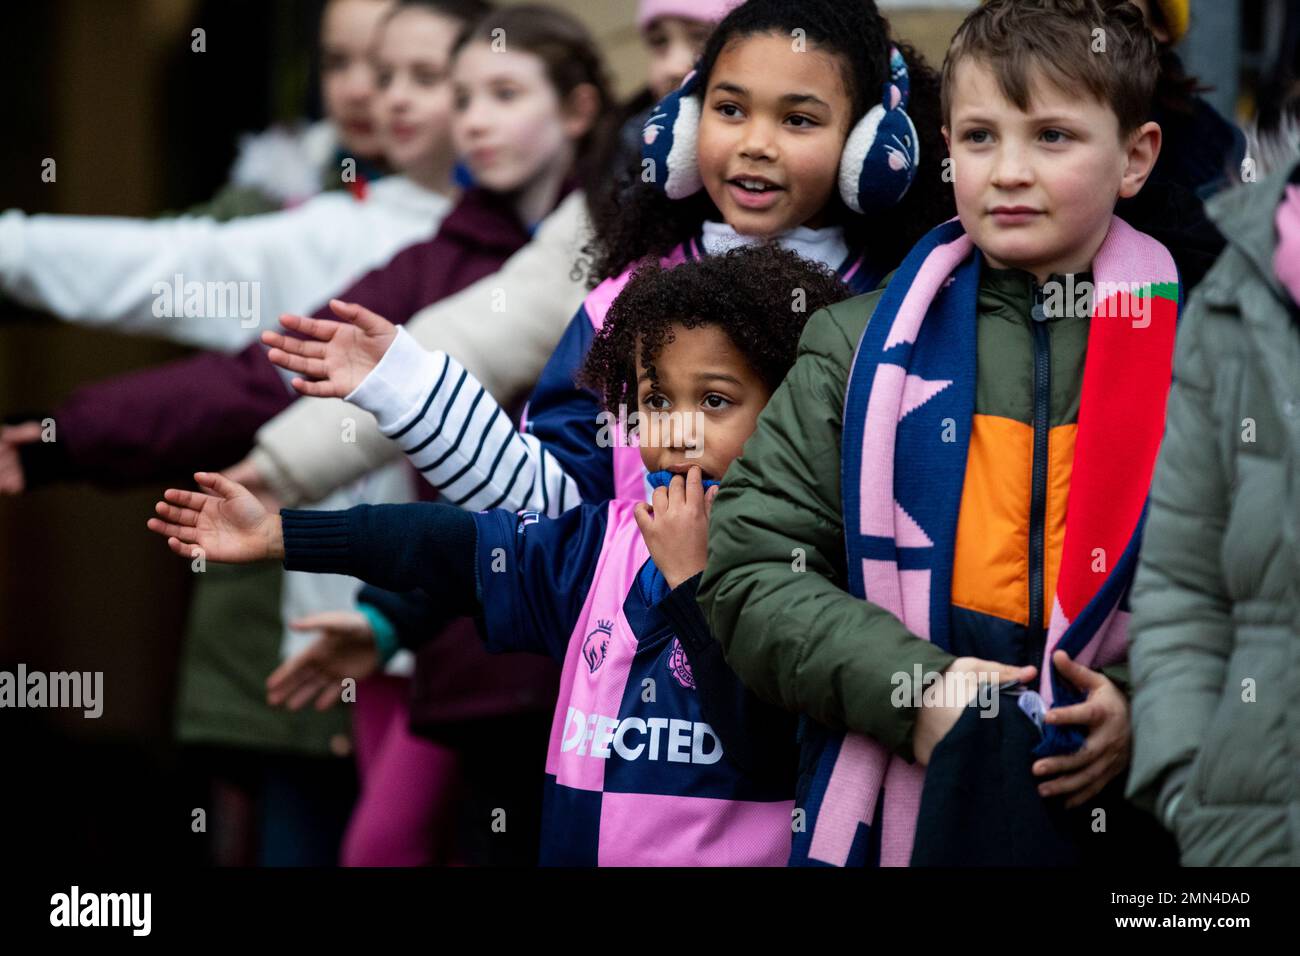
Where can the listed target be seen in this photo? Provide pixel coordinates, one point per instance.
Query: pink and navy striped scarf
(912, 380)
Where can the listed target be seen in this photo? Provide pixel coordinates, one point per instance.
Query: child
(993, 449)
(217, 280)
(235, 628)
(1215, 602)
(785, 150)
(536, 106)
(206, 409)
(502, 343)
(283, 167)
(674, 32)
(642, 763)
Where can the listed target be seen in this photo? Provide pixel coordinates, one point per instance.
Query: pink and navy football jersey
(635, 773)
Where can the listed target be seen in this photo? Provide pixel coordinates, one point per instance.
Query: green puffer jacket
(776, 589)
(1215, 637)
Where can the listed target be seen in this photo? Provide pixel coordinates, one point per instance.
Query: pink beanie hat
(704, 11)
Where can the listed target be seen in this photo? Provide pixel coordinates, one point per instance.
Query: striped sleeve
(457, 435)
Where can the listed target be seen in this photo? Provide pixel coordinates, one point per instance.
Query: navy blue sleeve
(534, 574)
(398, 547)
(566, 417)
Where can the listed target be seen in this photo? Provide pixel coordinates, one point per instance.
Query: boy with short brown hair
(981, 446)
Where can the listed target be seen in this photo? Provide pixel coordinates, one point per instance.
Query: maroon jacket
(202, 414)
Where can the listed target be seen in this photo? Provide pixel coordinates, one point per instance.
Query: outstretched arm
(224, 522)
(452, 431)
(396, 547)
(502, 329)
(160, 423)
(152, 276)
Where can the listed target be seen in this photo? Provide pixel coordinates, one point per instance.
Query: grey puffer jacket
(1215, 649)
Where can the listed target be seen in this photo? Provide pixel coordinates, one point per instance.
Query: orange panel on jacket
(990, 572)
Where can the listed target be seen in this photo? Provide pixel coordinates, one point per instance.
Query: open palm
(336, 356)
(230, 525)
(346, 648)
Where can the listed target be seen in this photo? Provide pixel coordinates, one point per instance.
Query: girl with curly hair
(657, 754)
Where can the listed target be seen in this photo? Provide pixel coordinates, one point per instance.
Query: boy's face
(778, 117)
(1036, 189)
(348, 33)
(674, 44)
(702, 406)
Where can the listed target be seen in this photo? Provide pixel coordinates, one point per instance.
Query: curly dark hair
(642, 221)
(760, 295)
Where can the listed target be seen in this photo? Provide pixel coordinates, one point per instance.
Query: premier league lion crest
(596, 644)
(679, 666)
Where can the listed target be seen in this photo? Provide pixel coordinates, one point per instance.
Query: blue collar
(661, 479)
(653, 584)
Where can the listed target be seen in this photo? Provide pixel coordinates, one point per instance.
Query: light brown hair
(572, 58)
(1021, 41)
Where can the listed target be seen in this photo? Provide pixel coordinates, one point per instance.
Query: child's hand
(346, 648)
(342, 355)
(245, 473)
(12, 481)
(1105, 751)
(934, 720)
(676, 527)
(230, 524)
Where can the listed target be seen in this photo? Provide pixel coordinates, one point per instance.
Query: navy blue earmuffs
(877, 167)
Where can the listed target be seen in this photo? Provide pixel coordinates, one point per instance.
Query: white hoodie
(122, 274)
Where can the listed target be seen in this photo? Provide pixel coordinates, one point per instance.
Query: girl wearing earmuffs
(795, 128)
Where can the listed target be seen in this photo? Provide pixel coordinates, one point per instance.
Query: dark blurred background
(137, 124)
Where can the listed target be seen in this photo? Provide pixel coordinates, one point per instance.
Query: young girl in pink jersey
(657, 754)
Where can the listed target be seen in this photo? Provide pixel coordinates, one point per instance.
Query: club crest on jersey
(596, 644)
(679, 666)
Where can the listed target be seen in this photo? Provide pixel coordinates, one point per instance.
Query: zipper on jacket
(1038, 498)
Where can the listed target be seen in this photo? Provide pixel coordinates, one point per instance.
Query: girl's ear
(947, 140)
(581, 110)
